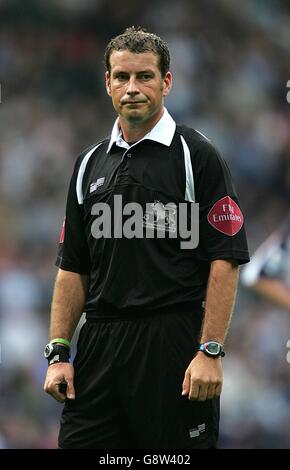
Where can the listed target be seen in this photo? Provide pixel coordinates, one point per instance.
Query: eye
(145, 76)
(121, 77)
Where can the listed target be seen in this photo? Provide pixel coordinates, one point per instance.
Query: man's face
(136, 86)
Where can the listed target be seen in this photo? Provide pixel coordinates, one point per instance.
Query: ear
(108, 83)
(167, 84)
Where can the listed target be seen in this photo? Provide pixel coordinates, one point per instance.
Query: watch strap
(63, 341)
(59, 353)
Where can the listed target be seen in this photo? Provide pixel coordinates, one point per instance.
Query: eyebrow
(149, 71)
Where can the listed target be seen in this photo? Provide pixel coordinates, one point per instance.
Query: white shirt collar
(162, 132)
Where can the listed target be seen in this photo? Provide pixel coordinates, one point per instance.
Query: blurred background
(230, 62)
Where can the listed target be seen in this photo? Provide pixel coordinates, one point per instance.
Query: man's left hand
(203, 378)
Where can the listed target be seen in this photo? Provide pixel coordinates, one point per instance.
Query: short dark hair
(138, 40)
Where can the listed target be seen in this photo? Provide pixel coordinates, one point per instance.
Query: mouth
(133, 102)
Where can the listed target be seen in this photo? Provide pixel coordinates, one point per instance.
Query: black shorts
(128, 383)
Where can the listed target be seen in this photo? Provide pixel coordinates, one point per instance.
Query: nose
(132, 88)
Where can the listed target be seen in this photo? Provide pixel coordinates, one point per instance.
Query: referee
(158, 297)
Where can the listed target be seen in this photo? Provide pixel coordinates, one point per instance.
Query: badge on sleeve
(226, 216)
(61, 238)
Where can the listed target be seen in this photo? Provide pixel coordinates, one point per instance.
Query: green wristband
(66, 342)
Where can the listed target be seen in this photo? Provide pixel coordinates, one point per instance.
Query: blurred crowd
(230, 62)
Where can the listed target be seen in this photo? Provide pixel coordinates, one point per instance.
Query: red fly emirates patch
(61, 238)
(226, 216)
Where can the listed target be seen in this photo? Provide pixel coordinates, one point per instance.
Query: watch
(56, 353)
(212, 349)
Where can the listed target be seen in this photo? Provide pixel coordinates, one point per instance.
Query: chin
(134, 116)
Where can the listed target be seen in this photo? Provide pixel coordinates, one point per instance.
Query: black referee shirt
(170, 165)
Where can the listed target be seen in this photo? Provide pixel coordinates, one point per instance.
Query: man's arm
(68, 301)
(203, 377)
(273, 290)
(267, 273)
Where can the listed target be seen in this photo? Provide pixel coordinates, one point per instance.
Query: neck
(134, 131)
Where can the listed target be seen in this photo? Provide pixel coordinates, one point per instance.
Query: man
(269, 272)
(147, 372)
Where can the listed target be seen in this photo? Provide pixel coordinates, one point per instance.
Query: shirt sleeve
(73, 251)
(221, 230)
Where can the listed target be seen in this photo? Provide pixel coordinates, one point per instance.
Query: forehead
(130, 61)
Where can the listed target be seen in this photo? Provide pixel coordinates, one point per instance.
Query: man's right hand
(56, 374)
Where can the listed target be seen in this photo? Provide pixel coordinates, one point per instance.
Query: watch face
(48, 350)
(213, 348)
